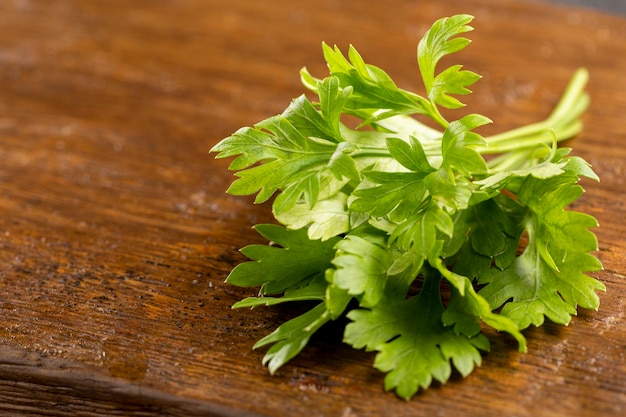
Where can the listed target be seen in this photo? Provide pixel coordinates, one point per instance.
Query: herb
(419, 236)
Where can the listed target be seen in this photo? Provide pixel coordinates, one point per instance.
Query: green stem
(509, 161)
(564, 120)
(437, 117)
(371, 152)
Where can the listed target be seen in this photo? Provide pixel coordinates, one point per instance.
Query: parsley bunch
(377, 220)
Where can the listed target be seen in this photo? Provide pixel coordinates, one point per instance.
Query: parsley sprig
(375, 220)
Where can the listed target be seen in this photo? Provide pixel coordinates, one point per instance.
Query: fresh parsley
(376, 220)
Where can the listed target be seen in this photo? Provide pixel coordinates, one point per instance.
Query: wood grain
(116, 234)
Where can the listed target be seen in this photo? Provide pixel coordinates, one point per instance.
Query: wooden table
(116, 234)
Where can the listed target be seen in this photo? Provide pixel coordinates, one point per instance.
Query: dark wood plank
(116, 234)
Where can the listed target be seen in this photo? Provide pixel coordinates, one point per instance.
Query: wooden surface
(116, 234)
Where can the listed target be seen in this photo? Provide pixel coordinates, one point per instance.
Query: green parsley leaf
(361, 264)
(292, 336)
(277, 269)
(549, 277)
(396, 194)
(437, 43)
(413, 344)
(457, 143)
(326, 219)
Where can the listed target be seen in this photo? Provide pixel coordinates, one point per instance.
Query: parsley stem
(371, 152)
(564, 121)
(510, 161)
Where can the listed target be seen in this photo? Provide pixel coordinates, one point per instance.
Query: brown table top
(116, 234)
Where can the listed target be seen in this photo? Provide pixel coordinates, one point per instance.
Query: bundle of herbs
(375, 219)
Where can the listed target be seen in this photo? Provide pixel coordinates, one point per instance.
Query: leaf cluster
(375, 220)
